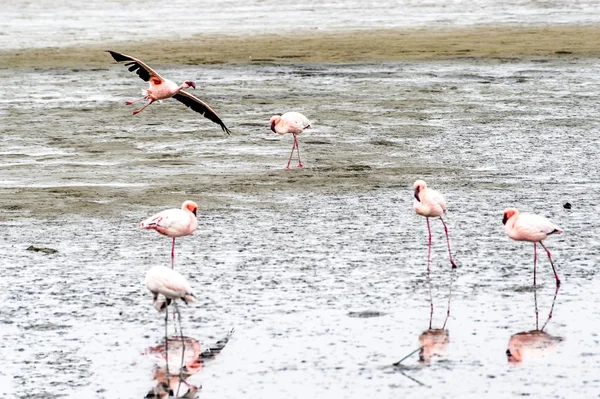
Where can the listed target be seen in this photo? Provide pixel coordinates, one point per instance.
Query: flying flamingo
(161, 88)
(174, 223)
(161, 280)
(290, 122)
(532, 228)
(430, 203)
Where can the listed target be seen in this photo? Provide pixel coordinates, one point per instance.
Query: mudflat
(327, 46)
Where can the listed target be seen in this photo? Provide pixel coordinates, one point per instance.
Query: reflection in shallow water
(530, 345)
(172, 388)
(190, 350)
(184, 355)
(533, 344)
(181, 354)
(433, 342)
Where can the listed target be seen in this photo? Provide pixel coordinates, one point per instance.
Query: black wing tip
(226, 130)
(118, 56)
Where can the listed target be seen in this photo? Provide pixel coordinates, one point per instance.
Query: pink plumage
(532, 228)
(174, 223)
(430, 203)
(161, 280)
(160, 88)
(290, 122)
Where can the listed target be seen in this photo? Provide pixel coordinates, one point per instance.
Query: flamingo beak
(194, 212)
(504, 219)
(191, 84)
(273, 127)
(417, 194)
(513, 357)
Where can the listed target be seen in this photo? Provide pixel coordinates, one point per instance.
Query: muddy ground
(314, 46)
(492, 117)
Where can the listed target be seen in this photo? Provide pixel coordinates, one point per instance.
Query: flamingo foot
(453, 264)
(300, 165)
(137, 111)
(129, 102)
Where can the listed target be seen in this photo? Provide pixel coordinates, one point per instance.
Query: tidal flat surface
(291, 258)
(321, 271)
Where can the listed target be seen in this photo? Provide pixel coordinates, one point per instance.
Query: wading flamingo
(161, 280)
(532, 228)
(290, 122)
(161, 88)
(430, 203)
(174, 223)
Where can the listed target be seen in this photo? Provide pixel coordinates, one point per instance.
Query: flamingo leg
(137, 111)
(182, 347)
(551, 308)
(428, 246)
(292, 153)
(298, 148)
(167, 340)
(430, 298)
(534, 263)
(449, 298)
(448, 241)
(135, 101)
(552, 264)
(173, 254)
(536, 308)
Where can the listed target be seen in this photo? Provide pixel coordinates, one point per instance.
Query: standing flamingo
(290, 122)
(430, 203)
(532, 228)
(174, 223)
(161, 280)
(160, 88)
(168, 283)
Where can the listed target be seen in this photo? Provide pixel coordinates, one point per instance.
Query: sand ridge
(334, 47)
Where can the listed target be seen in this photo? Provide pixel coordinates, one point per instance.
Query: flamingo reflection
(187, 359)
(434, 341)
(533, 344)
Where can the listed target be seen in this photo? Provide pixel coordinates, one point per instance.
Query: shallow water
(43, 23)
(321, 270)
(289, 257)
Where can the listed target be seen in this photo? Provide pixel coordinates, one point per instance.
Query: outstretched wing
(201, 107)
(142, 70)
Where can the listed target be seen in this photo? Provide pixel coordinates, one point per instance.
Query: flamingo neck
(510, 224)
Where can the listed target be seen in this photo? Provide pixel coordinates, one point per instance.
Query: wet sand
(315, 46)
(491, 117)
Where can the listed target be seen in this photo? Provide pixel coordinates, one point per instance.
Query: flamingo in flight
(174, 223)
(532, 228)
(161, 88)
(290, 122)
(430, 203)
